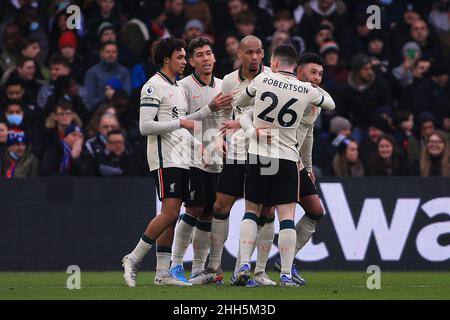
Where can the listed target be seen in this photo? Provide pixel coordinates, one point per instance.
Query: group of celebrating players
(212, 142)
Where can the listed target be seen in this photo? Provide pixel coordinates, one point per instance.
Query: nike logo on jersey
(195, 97)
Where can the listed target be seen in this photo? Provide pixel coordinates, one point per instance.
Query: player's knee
(268, 212)
(196, 212)
(171, 215)
(222, 208)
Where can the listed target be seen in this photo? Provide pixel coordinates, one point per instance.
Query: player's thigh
(307, 186)
(284, 185)
(210, 182)
(197, 188)
(256, 187)
(311, 204)
(231, 180)
(171, 183)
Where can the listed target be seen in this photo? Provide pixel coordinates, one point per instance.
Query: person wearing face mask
(18, 118)
(435, 158)
(17, 161)
(346, 162)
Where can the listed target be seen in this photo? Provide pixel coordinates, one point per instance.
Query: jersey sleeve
(320, 98)
(151, 95)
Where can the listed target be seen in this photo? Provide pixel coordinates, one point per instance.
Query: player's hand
(77, 147)
(187, 124)
(230, 125)
(220, 145)
(263, 134)
(220, 102)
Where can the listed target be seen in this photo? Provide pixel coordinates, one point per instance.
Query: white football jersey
(198, 94)
(235, 83)
(280, 102)
(170, 149)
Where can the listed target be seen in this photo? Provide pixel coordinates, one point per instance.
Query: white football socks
(183, 235)
(218, 236)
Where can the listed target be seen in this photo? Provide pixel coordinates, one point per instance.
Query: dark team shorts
(231, 179)
(280, 187)
(202, 189)
(172, 183)
(307, 187)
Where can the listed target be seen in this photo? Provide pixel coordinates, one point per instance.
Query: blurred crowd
(69, 98)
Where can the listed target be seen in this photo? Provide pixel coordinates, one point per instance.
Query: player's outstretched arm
(220, 102)
(148, 125)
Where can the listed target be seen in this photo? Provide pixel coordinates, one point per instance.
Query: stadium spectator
(30, 48)
(261, 17)
(346, 162)
(404, 72)
(199, 10)
(426, 125)
(364, 93)
(17, 161)
(284, 21)
(435, 158)
(26, 71)
(323, 34)
(59, 66)
(96, 145)
(174, 17)
(419, 72)
(68, 45)
(386, 161)
(407, 143)
(15, 91)
(335, 71)
(142, 71)
(378, 126)
(31, 26)
(111, 86)
(116, 160)
(193, 29)
(377, 49)
(429, 45)
(58, 121)
(65, 157)
(3, 134)
(11, 47)
(340, 129)
(18, 119)
(433, 94)
(97, 75)
(67, 89)
(400, 33)
(438, 18)
(332, 13)
(102, 11)
(230, 62)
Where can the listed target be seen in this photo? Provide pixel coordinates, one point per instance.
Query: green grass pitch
(321, 285)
